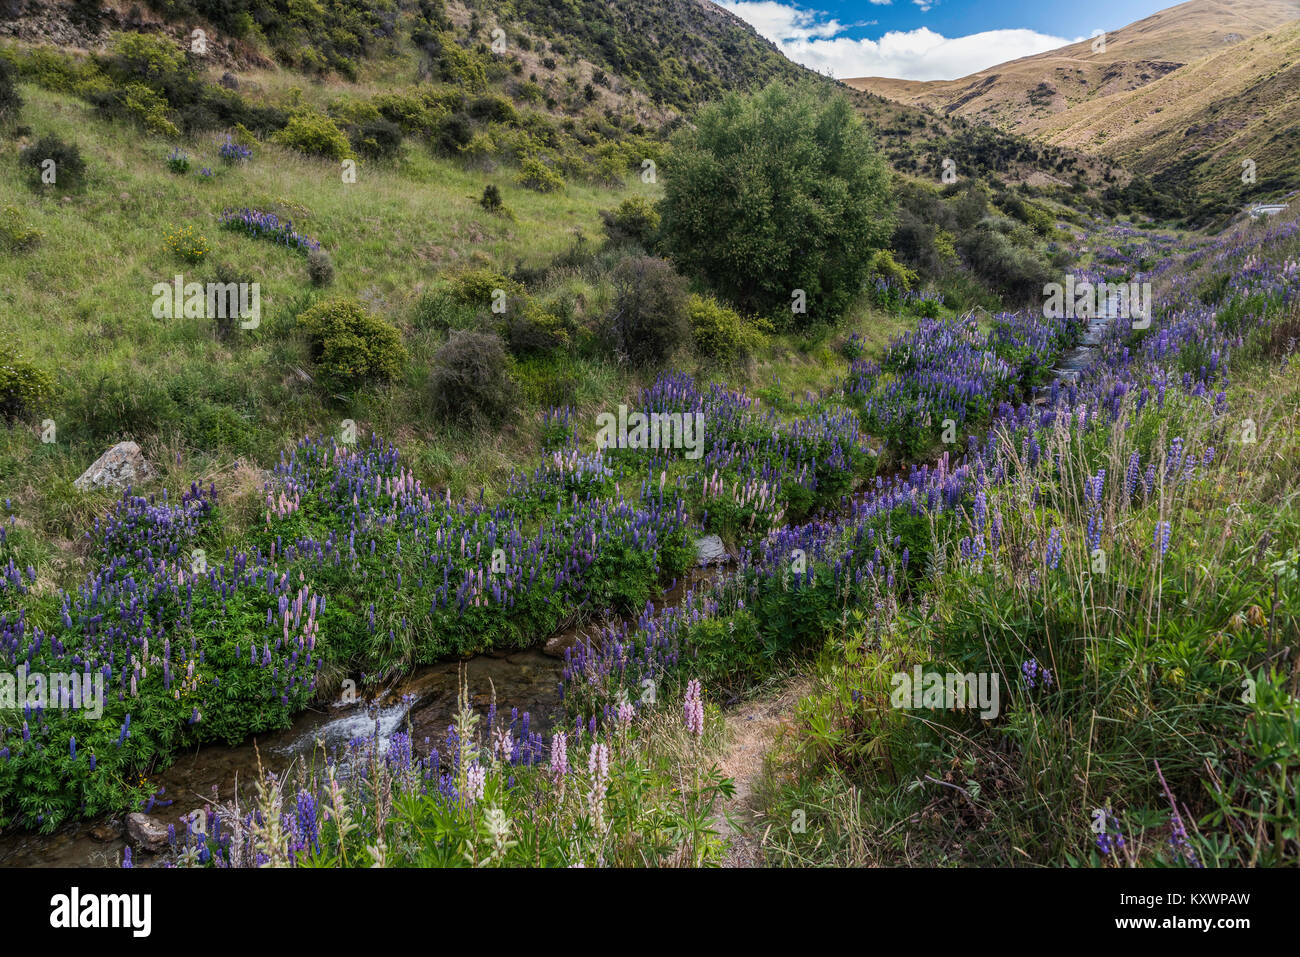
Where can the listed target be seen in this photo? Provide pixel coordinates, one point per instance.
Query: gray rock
(145, 832)
(709, 550)
(120, 466)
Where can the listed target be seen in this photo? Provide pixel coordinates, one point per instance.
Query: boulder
(709, 550)
(145, 832)
(120, 466)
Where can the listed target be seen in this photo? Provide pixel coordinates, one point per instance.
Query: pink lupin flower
(694, 708)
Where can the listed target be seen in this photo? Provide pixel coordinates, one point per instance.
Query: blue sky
(928, 39)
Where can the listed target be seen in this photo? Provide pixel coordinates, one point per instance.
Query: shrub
(439, 310)
(471, 384)
(491, 200)
(720, 333)
(315, 135)
(635, 221)
(478, 287)
(22, 385)
(649, 320)
(777, 191)
(320, 268)
(139, 104)
(378, 139)
(10, 102)
(121, 401)
(1016, 270)
(493, 109)
(350, 346)
(886, 267)
(68, 170)
(15, 234)
(534, 330)
(454, 134)
(536, 175)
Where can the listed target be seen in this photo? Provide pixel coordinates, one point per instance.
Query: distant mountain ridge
(1203, 99)
(1026, 94)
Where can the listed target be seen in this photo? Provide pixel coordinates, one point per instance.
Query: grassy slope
(392, 234)
(1200, 122)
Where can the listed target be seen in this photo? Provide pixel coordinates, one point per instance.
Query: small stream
(1074, 361)
(528, 680)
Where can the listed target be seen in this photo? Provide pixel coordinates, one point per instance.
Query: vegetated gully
(528, 680)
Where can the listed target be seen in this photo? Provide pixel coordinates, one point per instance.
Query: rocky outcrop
(145, 832)
(122, 465)
(710, 551)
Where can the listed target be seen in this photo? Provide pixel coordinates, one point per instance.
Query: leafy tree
(777, 191)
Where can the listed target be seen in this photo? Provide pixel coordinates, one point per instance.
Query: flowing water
(527, 680)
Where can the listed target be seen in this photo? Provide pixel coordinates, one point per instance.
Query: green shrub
(68, 169)
(479, 288)
(350, 346)
(378, 139)
(61, 72)
(537, 331)
(775, 192)
(648, 322)
(471, 384)
(23, 386)
(720, 333)
(439, 309)
(1016, 270)
(315, 135)
(635, 221)
(10, 102)
(454, 64)
(536, 175)
(138, 104)
(886, 267)
(491, 199)
(454, 133)
(146, 56)
(15, 234)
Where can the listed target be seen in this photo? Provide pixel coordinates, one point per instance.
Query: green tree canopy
(777, 191)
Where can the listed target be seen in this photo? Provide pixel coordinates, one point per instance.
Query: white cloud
(920, 54)
(779, 21)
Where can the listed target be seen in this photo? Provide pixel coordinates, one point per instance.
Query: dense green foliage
(774, 193)
(351, 347)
